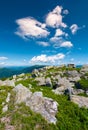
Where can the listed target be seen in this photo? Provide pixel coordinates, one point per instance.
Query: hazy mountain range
(9, 71)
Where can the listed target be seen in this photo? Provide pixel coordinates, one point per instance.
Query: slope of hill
(51, 98)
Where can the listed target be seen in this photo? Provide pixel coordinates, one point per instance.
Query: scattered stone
(19, 79)
(5, 108)
(8, 98)
(87, 92)
(77, 91)
(6, 121)
(41, 81)
(7, 83)
(21, 75)
(48, 82)
(80, 100)
(14, 76)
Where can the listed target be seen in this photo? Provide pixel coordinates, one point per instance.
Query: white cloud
(63, 25)
(54, 18)
(67, 44)
(59, 32)
(29, 27)
(65, 11)
(3, 58)
(45, 44)
(55, 39)
(47, 59)
(74, 28)
(59, 42)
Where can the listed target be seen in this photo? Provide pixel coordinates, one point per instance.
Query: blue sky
(49, 32)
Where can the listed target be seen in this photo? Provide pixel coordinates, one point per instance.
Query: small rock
(80, 100)
(5, 108)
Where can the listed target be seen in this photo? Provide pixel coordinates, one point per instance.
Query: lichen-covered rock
(59, 90)
(65, 82)
(7, 83)
(40, 80)
(48, 82)
(73, 73)
(21, 75)
(77, 91)
(22, 93)
(80, 100)
(47, 107)
(8, 98)
(74, 79)
(5, 108)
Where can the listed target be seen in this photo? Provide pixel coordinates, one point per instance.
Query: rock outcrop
(22, 93)
(47, 107)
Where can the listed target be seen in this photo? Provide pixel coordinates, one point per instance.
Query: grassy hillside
(69, 115)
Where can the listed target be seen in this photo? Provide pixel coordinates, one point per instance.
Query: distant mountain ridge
(10, 71)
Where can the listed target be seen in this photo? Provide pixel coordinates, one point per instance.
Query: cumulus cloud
(54, 18)
(74, 28)
(67, 44)
(59, 42)
(59, 32)
(45, 44)
(29, 27)
(3, 58)
(47, 59)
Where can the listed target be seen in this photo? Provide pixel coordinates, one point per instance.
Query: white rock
(7, 83)
(22, 93)
(19, 79)
(5, 108)
(14, 76)
(47, 107)
(21, 75)
(8, 97)
(80, 100)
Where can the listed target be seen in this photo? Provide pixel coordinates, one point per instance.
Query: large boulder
(48, 82)
(59, 90)
(84, 69)
(73, 73)
(63, 86)
(40, 80)
(47, 107)
(7, 83)
(22, 93)
(80, 100)
(77, 91)
(65, 82)
(74, 79)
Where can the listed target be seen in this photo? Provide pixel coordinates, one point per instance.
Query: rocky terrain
(49, 98)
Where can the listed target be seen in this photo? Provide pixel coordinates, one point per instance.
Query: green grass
(83, 84)
(68, 112)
